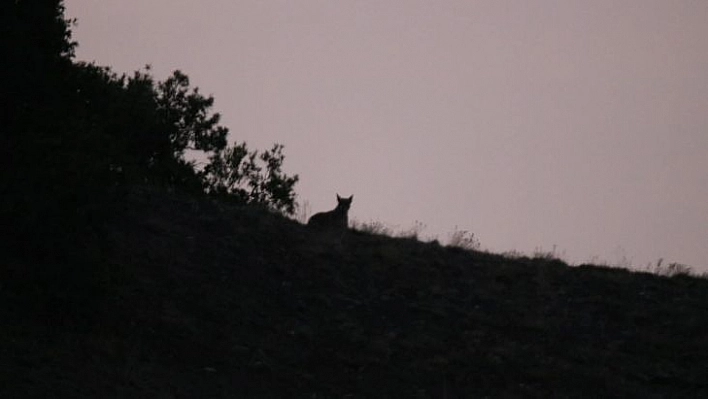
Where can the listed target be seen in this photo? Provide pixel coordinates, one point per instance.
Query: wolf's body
(337, 218)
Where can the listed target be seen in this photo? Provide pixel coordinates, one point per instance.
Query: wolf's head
(343, 204)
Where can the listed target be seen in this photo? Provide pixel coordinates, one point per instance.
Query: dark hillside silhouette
(204, 299)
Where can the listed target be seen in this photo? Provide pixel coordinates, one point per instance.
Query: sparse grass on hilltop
(202, 299)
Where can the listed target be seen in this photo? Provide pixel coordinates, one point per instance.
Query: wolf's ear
(351, 198)
(338, 197)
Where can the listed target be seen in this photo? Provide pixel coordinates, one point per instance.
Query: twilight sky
(576, 124)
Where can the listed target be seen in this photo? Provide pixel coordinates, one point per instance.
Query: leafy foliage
(78, 128)
(38, 184)
(248, 176)
(75, 138)
(187, 114)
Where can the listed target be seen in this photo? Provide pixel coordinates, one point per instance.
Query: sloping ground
(201, 299)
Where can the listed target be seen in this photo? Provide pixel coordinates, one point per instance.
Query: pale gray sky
(576, 124)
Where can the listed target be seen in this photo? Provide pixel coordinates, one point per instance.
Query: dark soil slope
(192, 298)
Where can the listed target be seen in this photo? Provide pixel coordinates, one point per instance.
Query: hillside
(202, 299)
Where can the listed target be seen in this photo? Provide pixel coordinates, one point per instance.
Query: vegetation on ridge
(76, 135)
(201, 298)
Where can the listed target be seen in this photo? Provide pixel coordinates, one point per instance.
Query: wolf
(335, 219)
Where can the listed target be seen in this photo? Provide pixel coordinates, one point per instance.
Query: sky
(573, 126)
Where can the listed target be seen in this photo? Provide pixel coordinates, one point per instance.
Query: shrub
(463, 239)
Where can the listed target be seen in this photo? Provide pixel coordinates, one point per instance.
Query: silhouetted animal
(335, 219)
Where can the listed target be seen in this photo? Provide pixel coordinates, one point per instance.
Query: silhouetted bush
(75, 137)
(76, 134)
(249, 177)
(463, 239)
